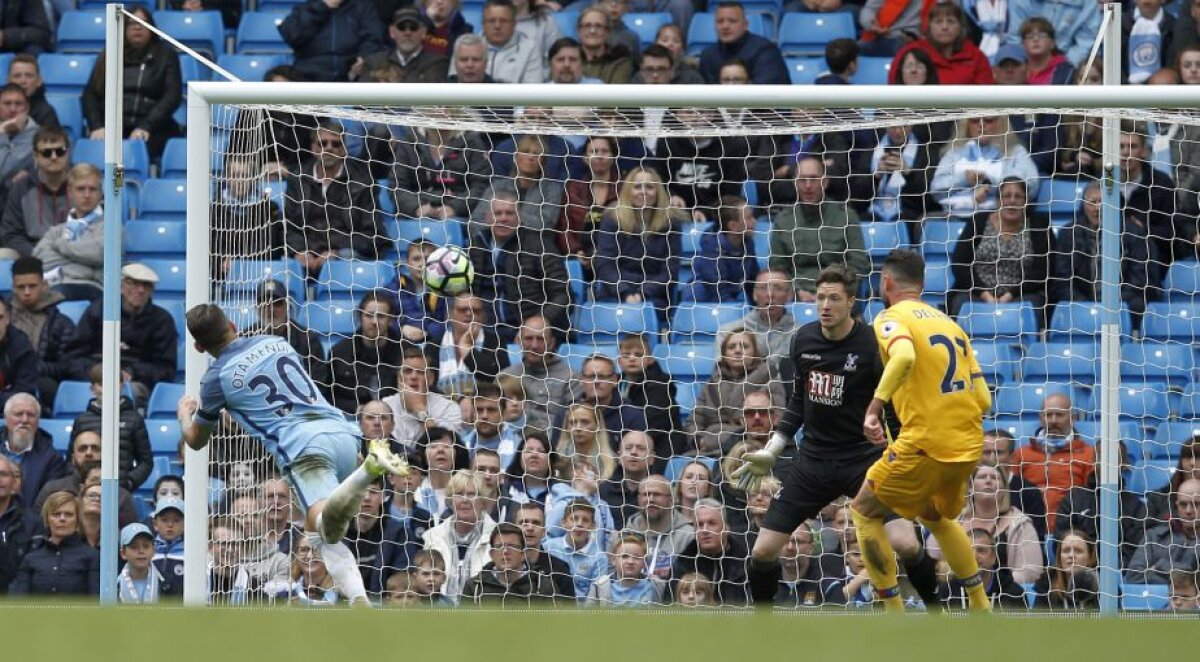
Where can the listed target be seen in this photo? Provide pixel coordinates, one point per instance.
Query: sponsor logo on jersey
(826, 388)
(811, 357)
(887, 329)
(851, 363)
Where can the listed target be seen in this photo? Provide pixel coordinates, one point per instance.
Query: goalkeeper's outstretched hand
(758, 464)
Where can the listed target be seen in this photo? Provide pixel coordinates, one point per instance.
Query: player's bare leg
(764, 565)
(868, 513)
(957, 551)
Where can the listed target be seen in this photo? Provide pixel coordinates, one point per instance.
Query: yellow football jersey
(938, 411)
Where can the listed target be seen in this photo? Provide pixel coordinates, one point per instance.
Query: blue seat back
(155, 239)
(872, 71)
(1067, 361)
(807, 33)
(353, 278)
(69, 110)
(998, 360)
(606, 321)
(258, 33)
(172, 276)
(163, 200)
(805, 70)
(135, 153)
(646, 25)
(1012, 321)
(202, 30)
(244, 276)
(250, 68)
(1082, 319)
(329, 317)
(1145, 597)
(66, 73)
(164, 400)
(79, 32)
(1172, 321)
(697, 322)
(1183, 280)
(938, 238)
(174, 159)
(72, 398)
(1024, 399)
(687, 361)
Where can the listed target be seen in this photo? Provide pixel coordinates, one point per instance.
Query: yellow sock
(880, 560)
(957, 551)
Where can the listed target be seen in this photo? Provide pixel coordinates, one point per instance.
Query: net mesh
(649, 237)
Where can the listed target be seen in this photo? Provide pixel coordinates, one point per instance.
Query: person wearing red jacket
(958, 61)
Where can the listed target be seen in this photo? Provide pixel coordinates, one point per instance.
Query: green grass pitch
(265, 635)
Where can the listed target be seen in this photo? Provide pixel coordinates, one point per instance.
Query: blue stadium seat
(66, 73)
(774, 7)
(676, 464)
(329, 317)
(576, 353)
(872, 71)
(70, 113)
(73, 309)
(177, 309)
(762, 240)
(691, 233)
(1172, 321)
(579, 288)
(190, 70)
(1145, 597)
(1024, 399)
(1150, 475)
(164, 399)
(805, 70)
(1128, 431)
(5, 60)
(938, 238)
(1067, 361)
(174, 159)
(1000, 320)
(702, 33)
(249, 67)
(352, 278)
(163, 200)
(202, 30)
(278, 5)
(567, 19)
(997, 359)
(1189, 406)
(1169, 362)
(1183, 280)
(1146, 403)
(938, 281)
(172, 277)
(687, 362)
(160, 467)
(1082, 319)
(243, 314)
(6, 276)
(1059, 197)
(809, 32)
(883, 237)
(803, 312)
(72, 398)
(685, 396)
(245, 275)
(698, 322)
(606, 321)
(871, 308)
(80, 32)
(135, 153)
(646, 25)
(155, 239)
(1020, 428)
(473, 15)
(440, 232)
(258, 33)
(60, 431)
(1168, 437)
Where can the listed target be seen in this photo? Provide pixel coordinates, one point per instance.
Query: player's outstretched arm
(194, 434)
(901, 357)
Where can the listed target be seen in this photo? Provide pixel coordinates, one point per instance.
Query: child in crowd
(628, 584)
(695, 590)
(726, 266)
(312, 586)
(428, 576)
(139, 582)
(580, 548)
(168, 527)
(853, 590)
(1185, 590)
(420, 313)
(400, 590)
(841, 56)
(584, 486)
(514, 401)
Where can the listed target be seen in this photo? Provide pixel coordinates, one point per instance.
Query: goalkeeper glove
(757, 464)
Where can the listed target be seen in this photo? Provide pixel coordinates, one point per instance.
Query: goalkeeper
(837, 369)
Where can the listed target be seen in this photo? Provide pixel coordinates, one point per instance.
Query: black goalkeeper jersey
(835, 382)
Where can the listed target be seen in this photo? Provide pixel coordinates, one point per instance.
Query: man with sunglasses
(414, 62)
(36, 196)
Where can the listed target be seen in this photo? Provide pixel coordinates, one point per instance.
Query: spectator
(63, 564)
(726, 265)
(467, 522)
(1185, 146)
(1070, 584)
(288, 133)
(586, 198)
(415, 407)
(598, 387)
(545, 376)
(135, 458)
(1185, 591)
(24, 72)
(404, 521)
(1004, 592)
(944, 40)
(470, 60)
(227, 581)
(24, 27)
(1186, 33)
(763, 59)
(365, 539)
(1010, 64)
(284, 521)
(429, 568)
(376, 421)
(669, 60)
(716, 554)
(582, 547)
(148, 336)
(800, 579)
(1011, 536)
(419, 312)
(1046, 64)
(489, 431)
(1160, 503)
(1080, 508)
(1077, 23)
(694, 482)
(916, 67)
(701, 169)
(29, 447)
(1075, 271)
(638, 244)
(539, 191)
(441, 454)
(512, 56)
(486, 463)
(990, 19)
(244, 203)
(330, 204)
(997, 450)
(760, 414)
(535, 20)
(17, 525)
(261, 557)
(1172, 545)
(89, 510)
(530, 476)
(816, 233)
(83, 450)
(740, 368)
(886, 26)
(1003, 256)
(757, 503)
(37, 198)
(695, 590)
(1056, 458)
(769, 320)
(633, 466)
(620, 34)
(531, 518)
(841, 56)
(585, 434)
(900, 168)
(602, 60)
(18, 358)
(627, 585)
(311, 584)
(139, 581)
(985, 152)
(414, 61)
(666, 530)
(646, 387)
(853, 589)
(153, 88)
(362, 368)
(508, 580)
(1148, 194)
(73, 253)
(275, 319)
(446, 25)
(329, 36)
(441, 173)
(231, 10)
(17, 130)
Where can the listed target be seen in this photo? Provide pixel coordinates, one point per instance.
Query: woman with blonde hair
(741, 369)
(61, 563)
(638, 244)
(693, 484)
(985, 152)
(583, 433)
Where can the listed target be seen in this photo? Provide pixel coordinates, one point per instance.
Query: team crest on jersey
(851, 363)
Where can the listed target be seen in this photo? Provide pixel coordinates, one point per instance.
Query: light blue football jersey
(263, 384)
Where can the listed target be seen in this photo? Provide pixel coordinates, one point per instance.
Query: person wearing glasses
(414, 62)
(507, 581)
(37, 195)
(602, 60)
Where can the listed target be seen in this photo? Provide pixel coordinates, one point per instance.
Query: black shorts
(810, 484)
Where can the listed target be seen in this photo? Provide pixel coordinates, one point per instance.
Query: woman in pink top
(1045, 64)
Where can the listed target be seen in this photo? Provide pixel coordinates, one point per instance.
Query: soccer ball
(448, 271)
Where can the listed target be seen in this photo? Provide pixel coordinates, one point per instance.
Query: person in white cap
(149, 339)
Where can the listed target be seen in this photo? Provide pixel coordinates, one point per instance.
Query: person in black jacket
(16, 526)
(24, 27)
(519, 273)
(243, 206)
(61, 563)
(18, 359)
(84, 454)
(900, 172)
(646, 386)
(716, 553)
(153, 88)
(364, 367)
(328, 36)
(34, 310)
(274, 318)
(1150, 195)
(620, 491)
(24, 72)
(509, 580)
(136, 459)
(23, 442)
(1079, 510)
(149, 338)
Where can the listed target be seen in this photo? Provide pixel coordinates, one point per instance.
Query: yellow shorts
(909, 482)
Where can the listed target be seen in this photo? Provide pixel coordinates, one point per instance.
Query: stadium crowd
(557, 460)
